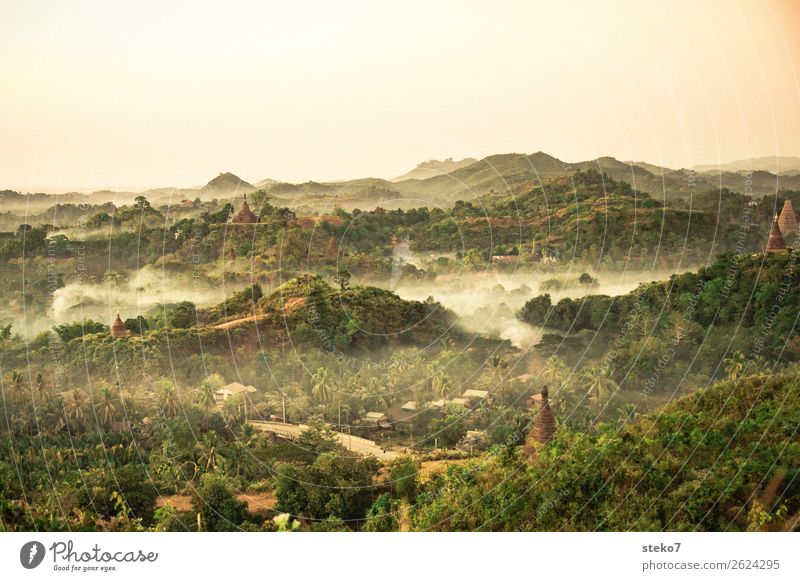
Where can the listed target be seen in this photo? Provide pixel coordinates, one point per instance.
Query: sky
(132, 95)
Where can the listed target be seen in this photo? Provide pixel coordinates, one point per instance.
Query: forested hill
(444, 183)
(591, 217)
(726, 458)
(304, 314)
(741, 309)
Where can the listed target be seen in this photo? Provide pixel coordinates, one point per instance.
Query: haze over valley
(366, 267)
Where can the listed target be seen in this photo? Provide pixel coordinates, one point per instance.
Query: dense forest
(674, 403)
(738, 315)
(723, 459)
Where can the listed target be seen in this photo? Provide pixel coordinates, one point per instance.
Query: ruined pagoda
(118, 330)
(776, 243)
(544, 425)
(788, 220)
(245, 215)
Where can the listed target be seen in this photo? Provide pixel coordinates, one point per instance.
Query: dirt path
(240, 322)
(355, 444)
(257, 502)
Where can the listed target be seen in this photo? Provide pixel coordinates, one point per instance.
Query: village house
(377, 419)
(230, 390)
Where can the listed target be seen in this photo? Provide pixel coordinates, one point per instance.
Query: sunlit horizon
(136, 96)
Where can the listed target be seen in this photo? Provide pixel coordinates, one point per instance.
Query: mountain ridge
(777, 165)
(434, 167)
(503, 173)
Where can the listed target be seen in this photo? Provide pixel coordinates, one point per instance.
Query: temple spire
(544, 424)
(245, 215)
(776, 243)
(788, 220)
(118, 330)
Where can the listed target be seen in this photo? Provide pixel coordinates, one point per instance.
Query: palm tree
(107, 406)
(209, 454)
(5, 334)
(447, 344)
(52, 419)
(169, 398)
(208, 387)
(627, 412)
(249, 434)
(555, 370)
(497, 365)
(600, 384)
(734, 365)
(394, 378)
(75, 406)
(16, 386)
(321, 390)
(232, 411)
(374, 392)
(241, 458)
(40, 385)
(441, 385)
(557, 374)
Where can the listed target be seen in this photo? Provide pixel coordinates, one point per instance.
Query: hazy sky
(139, 94)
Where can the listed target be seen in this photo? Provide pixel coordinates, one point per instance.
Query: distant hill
(433, 168)
(652, 168)
(227, 183)
(437, 182)
(515, 172)
(265, 182)
(774, 165)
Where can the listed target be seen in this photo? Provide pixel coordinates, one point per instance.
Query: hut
(402, 415)
(245, 215)
(118, 330)
(409, 406)
(788, 220)
(544, 425)
(232, 389)
(776, 243)
(377, 419)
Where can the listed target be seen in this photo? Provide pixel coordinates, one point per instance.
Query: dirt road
(355, 444)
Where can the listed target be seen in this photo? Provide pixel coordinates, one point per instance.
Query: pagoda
(788, 220)
(544, 425)
(245, 215)
(776, 243)
(118, 330)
